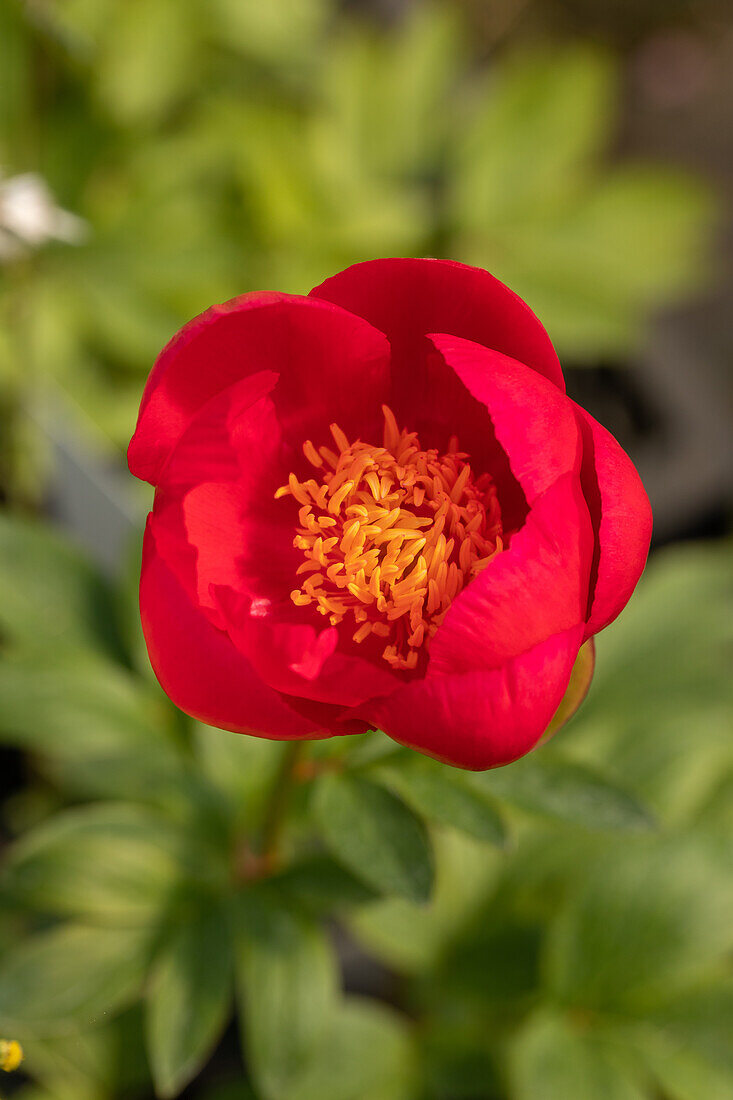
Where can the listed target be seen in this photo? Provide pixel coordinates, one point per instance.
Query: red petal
(201, 670)
(300, 658)
(330, 363)
(230, 544)
(218, 521)
(534, 423)
(536, 588)
(408, 298)
(482, 719)
(622, 521)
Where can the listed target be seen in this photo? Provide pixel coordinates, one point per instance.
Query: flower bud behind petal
(580, 680)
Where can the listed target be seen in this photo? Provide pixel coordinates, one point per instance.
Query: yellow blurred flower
(11, 1054)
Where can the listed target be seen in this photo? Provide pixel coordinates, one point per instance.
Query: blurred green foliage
(558, 928)
(219, 146)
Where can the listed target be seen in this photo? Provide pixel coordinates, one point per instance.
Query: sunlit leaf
(553, 1058)
(367, 1055)
(188, 999)
(547, 784)
(645, 919)
(444, 795)
(375, 835)
(72, 976)
(287, 983)
(116, 864)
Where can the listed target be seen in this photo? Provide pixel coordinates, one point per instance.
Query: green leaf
(664, 671)
(322, 885)
(117, 864)
(69, 977)
(149, 59)
(287, 988)
(188, 1000)
(549, 111)
(552, 1059)
(411, 937)
(565, 791)
(94, 1062)
(375, 835)
(443, 794)
(406, 76)
(367, 1055)
(284, 33)
(50, 597)
(16, 78)
(686, 1043)
(240, 769)
(644, 919)
(97, 727)
(530, 202)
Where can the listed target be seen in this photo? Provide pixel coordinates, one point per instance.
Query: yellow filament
(406, 529)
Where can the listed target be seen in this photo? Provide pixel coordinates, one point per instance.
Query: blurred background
(160, 155)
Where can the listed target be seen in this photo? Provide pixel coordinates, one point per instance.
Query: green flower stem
(277, 804)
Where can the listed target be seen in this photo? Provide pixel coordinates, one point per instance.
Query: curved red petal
(483, 719)
(299, 657)
(201, 670)
(622, 521)
(534, 423)
(330, 362)
(408, 298)
(218, 521)
(536, 588)
(230, 544)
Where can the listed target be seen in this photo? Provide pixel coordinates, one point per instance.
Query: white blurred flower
(29, 217)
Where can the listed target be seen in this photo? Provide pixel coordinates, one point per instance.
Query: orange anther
(387, 562)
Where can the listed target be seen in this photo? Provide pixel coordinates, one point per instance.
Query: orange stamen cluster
(391, 535)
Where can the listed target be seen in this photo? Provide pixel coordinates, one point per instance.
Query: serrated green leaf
(188, 999)
(69, 977)
(375, 835)
(287, 990)
(118, 864)
(561, 789)
(553, 1059)
(443, 794)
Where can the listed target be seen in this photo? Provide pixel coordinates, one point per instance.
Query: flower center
(391, 534)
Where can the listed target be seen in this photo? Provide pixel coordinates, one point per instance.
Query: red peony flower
(376, 507)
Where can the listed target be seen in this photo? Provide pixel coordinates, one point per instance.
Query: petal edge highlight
(484, 719)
